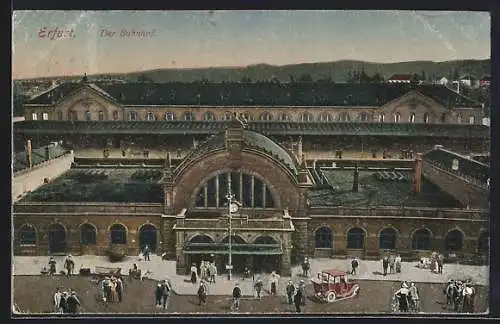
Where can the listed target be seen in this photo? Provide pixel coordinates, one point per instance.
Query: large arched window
(132, 115)
(235, 239)
(27, 235)
(88, 234)
(426, 118)
(169, 116)
(249, 190)
(188, 116)
(483, 243)
(344, 117)
(306, 117)
(201, 239)
(150, 116)
(88, 116)
(323, 238)
(118, 234)
(265, 240)
(325, 117)
(388, 239)
(356, 238)
(421, 240)
(453, 241)
(265, 116)
(208, 116)
(285, 117)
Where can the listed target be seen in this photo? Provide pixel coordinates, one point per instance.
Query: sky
(191, 39)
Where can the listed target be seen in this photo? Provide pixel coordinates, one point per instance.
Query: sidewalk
(160, 270)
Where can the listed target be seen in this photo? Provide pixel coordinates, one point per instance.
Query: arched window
(265, 116)
(88, 234)
(323, 238)
(169, 116)
(249, 190)
(483, 243)
(363, 116)
(59, 115)
(201, 239)
(34, 116)
(265, 240)
(188, 116)
(285, 117)
(459, 118)
(397, 117)
(150, 116)
(88, 116)
(381, 118)
(453, 241)
(118, 234)
(235, 239)
(101, 115)
(306, 117)
(27, 235)
(472, 120)
(208, 116)
(227, 116)
(45, 116)
(412, 118)
(388, 239)
(325, 117)
(344, 117)
(421, 240)
(132, 115)
(115, 115)
(426, 118)
(356, 238)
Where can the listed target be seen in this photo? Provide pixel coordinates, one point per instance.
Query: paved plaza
(162, 269)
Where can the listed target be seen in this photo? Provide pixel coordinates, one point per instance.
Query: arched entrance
(57, 239)
(148, 236)
(453, 241)
(239, 261)
(264, 262)
(198, 257)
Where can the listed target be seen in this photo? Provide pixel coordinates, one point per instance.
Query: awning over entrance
(223, 248)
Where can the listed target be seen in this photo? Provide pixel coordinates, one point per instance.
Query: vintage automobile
(332, 285)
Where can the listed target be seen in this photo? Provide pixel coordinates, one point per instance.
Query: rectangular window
(34, 116)
(45, 116)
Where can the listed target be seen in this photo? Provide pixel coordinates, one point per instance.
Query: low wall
(31, 179)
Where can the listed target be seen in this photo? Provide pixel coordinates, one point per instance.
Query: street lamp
(233, 206)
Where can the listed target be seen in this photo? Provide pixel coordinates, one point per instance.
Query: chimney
(417, 177)
(47, 153)
(29, 154)
(355, 182)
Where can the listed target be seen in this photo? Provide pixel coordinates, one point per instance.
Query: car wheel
(331, 297)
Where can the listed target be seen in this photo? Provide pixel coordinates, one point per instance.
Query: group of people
(66, 302)
(69, 265)
(207, 272)
(112, 289)
(162, 293)
(407, 297)
(391, 262)
(461, 295)
(296, 294)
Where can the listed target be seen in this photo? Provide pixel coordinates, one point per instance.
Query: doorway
(148, 236)
(57, 239)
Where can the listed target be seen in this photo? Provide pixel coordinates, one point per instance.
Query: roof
(377, 188)
(101, 185)
(267, 128)
(37, 156)
(334, 272)
(250, 94)
(401, 77)
(256, 139)
(466, 166)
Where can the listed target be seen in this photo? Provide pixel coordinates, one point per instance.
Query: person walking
(235, 305)
(354, 265)
(52, 266)
(146, 252)
(57, 300)
(290, 290)
(166, 288)
(194, 273)
(258, 287)
(69, 265)
(274, 282)
(158, 295)
(213, 272)
(392, 261)
(397, 261)
(119, 289)
(202, 293)
(385, 264)
(297, 299)
(302, 287)
(106, 285)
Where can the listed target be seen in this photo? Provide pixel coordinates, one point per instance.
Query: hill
(336, 71)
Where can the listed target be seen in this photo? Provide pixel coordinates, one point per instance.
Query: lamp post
(232, 208)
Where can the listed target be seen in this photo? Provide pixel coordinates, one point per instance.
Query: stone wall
(31, 179)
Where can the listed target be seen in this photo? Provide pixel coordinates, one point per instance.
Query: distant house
(400, 78)
(468, 81)
(443, 81)
(485, 81)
